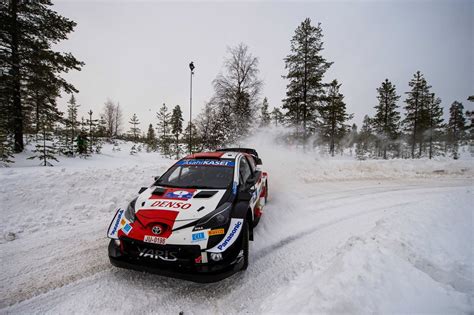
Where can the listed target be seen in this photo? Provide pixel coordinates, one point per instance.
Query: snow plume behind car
(293, 162)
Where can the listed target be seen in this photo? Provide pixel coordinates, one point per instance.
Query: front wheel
(245, 245)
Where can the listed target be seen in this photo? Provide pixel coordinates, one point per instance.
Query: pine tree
(334, 117)
(365, 139)
(151, 141)
(6, 139)
(163, 129)
(101, 128)
(470, 128)
(29, 30)
(45, 149)
(177, 127)
(277, 116)
(265, 118)
(306, 68)
(134, 130)
(456, 127)
(82, 139)
(386, 121)
(196, 140)
(435, 122)
(416, 120)
(470, 117)
(93, 125)
(6, 148)
(72, 123)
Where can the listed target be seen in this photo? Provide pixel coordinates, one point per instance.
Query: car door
(248, 180)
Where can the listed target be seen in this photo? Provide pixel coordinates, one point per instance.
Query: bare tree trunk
(17, 106)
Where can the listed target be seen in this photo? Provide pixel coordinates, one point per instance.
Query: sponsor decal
(216, 232)
(230, 236)
(198, 260)
(254, 196)
(197, 237)
(123, 222)
(158, 254)
(127, 228)
(179, 194)
(172, 204)
(117, 222)
(207, 162)
(234, 188)
(154, 239)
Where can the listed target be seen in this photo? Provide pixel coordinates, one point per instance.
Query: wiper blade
(207, 187)
(167, 185)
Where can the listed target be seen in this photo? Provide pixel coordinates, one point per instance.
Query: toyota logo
(157, 230)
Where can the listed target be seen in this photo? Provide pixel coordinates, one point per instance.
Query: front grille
(161, 255)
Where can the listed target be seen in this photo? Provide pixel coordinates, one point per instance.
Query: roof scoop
(205, 194)
(159, 191)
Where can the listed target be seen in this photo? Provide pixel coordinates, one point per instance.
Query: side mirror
(244, 196)
(142, 190)
(258, 160)
(156, 178)
(250, 180)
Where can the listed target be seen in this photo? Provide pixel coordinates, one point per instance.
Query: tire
(245, 245)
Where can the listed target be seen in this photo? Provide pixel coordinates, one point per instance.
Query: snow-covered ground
(338, 236)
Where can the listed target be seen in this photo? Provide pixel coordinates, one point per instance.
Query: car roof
(213, 155)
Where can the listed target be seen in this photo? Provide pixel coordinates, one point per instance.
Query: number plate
(154, 239)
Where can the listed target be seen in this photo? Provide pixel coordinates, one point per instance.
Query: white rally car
(195, 221)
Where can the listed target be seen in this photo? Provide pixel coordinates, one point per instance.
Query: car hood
(176, 204)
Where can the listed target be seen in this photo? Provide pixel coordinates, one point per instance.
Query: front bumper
(184, 268)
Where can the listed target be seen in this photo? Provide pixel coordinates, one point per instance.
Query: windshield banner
(207, 162)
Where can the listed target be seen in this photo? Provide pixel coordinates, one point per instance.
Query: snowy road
(395, 244)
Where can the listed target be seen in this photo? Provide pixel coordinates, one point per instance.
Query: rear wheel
(245, 245)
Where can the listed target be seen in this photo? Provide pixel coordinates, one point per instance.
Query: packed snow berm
(337, 236)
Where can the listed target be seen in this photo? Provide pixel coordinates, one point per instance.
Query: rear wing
(252, 152)
(244, 150)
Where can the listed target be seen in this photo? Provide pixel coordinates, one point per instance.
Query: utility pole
(191, 67)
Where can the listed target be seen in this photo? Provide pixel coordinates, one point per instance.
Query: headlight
(218, 217)
(130, 212)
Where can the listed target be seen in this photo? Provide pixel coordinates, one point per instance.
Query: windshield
(210, 174)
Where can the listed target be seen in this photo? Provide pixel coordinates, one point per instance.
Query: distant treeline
(313, 109)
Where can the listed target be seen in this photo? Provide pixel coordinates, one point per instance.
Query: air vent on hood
(205, 194)
(158, 191)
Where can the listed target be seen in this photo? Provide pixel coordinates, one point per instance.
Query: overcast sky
(137, 53)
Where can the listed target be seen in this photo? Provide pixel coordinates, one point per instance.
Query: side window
(252, 163)
(244, 170)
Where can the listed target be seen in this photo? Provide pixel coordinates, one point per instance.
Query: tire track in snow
(265, 271)
(317, 228)
(41, 280)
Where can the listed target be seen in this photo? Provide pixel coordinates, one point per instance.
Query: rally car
(195, 221)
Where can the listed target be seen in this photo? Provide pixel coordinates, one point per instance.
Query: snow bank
(37, 198)
(412, 261)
